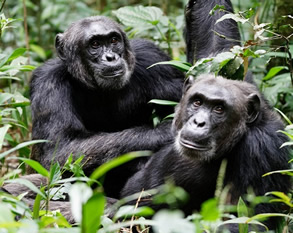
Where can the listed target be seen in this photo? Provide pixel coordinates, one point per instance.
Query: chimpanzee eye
(95, 44)
(219, 109)
(197, 102)
(114, 40)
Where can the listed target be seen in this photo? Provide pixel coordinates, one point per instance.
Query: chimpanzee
(203, 37)
(93, 99)
(219, 119)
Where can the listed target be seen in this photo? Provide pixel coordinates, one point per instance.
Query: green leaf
(104, 168)
(216, 7)
(243, 220)
(5, 215)
(283, 172)
(163, 102)
(273, 72)
(28, 184)
(49, 220)
(55, 173)
(139, 16)
(92, 211)
(202, 66)
(235, 17)
(242, 210)
(277, 54)
(284, 116)
(79, 194)
(27, 68)
(167, 221)
(17, 67)
(16, 105)
(183, 66)
(4, 97)
(169, 116)
(130, 210)
(249, 53)
(10, 174)
(61, 230)
(3, 131)
(221, 60)
(74, 179)
(36, 166)
(210, 211)
(287, 144)
(10, 77)
(283, 198)
(15, 54)
(38, 50)
(37, 204)
(20, 146)
(268, 215)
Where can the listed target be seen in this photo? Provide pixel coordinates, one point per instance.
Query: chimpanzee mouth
(194, 145)
(115, 74)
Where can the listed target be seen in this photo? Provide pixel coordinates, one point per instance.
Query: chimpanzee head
(96, 52)
(213, 115)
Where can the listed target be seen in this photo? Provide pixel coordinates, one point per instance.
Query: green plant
(141, 21)
(14, 114)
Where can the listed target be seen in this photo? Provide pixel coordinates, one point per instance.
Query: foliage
(139, 19)
(270, 63)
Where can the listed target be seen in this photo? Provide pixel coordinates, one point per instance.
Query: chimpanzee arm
(200, 36)
(55, 119)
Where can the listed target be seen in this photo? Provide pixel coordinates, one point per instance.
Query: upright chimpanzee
(93, 99)
(202, 34)
(219, 119)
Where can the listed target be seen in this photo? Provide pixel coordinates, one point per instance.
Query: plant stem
(26, 30)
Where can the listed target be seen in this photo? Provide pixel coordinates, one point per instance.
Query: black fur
(201, 39)
(220, 119)
(81, 113)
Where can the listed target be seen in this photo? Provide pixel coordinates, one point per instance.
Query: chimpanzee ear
(190, 4)
(253, 108)
(59, 45)
(188, 83)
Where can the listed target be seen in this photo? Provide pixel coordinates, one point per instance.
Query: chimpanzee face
(97, 52)
(211, 118)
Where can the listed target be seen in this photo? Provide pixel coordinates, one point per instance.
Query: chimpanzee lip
(114, 75)
(194, 145)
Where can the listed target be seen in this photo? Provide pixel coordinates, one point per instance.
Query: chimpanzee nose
(199, 122)
(110, 57)
(200, 119)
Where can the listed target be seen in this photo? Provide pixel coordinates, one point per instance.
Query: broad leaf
(163, 102)
(3, 131)
(104, 168)
(172, 222)
(139, 16)
(183, 66)
(92, 211)
(243, 220)
(36, 166)
(20, 146)
(235, 17)
(79, 194)
(130, 210)
(28, 184)
(210, 211)
(15, 54)
(274, 71)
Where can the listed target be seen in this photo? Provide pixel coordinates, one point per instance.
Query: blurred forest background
(28, 29)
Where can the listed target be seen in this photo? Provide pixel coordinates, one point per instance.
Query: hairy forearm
(102, 147)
